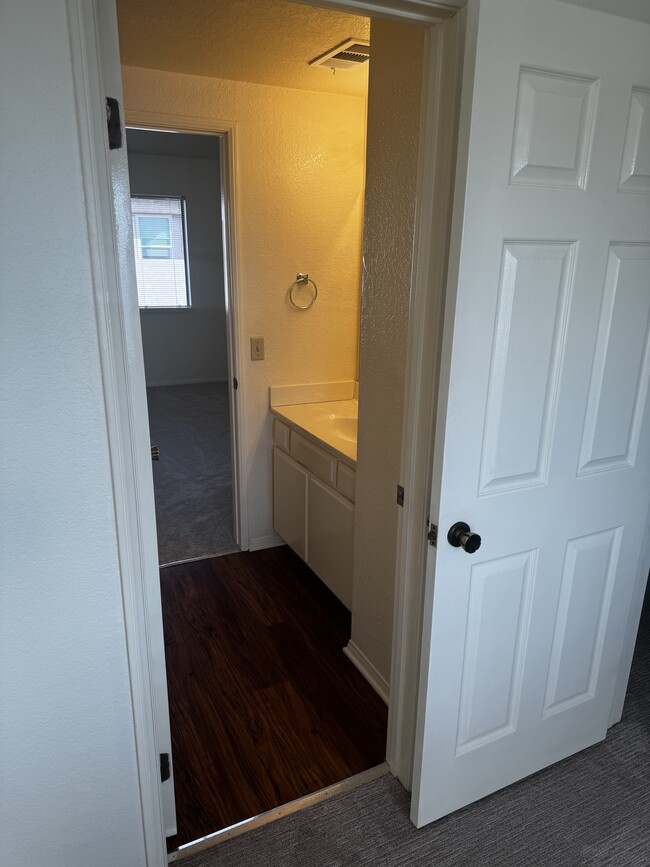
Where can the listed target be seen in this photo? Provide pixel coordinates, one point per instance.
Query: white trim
(374, 677)
(212, 840)
(120, 351)
(234, 320)
(441, 89)
(227, 132)
(416, 11)
(258, 543)
(458, 214)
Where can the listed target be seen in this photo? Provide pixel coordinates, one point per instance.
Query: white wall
(394, 93)
(67, 759)
(182, 346)
(300, 198)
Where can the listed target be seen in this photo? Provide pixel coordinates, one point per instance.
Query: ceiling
(260, 41)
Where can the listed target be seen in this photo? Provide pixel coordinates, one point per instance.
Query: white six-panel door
(542, 442)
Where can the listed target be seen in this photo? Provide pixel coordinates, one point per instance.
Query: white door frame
(123, 370)
(123, 382)
(226, 130)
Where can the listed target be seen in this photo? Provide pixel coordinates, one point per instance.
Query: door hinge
(432, 535)
(235, 384)
(400, 495)
(165, 767)
(113, 123)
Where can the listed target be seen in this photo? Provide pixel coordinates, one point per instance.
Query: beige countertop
(332, 423)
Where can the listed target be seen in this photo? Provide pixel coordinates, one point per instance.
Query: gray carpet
(592, 809)
(193, 478)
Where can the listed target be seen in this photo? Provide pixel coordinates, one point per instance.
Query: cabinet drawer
(317, 461)
(281, 435)
(346, 479)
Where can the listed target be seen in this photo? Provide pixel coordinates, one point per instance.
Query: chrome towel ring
(302, 280)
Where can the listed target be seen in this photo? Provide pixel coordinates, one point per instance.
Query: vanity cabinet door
(290, 502)
(330, 528)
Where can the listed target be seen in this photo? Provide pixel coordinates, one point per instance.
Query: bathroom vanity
(314, 471)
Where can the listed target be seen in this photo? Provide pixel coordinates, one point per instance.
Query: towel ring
(303, 280)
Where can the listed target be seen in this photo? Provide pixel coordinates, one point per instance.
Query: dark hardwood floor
(264, 705)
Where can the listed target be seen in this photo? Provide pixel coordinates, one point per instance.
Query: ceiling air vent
(346, 55)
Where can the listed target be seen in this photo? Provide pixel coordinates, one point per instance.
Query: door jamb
(435, 193)
(227, 132)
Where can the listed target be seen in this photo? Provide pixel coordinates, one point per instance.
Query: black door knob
(460, 536)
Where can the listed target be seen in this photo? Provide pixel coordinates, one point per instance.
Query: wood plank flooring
(265, 707)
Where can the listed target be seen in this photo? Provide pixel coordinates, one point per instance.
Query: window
(161, 266)
(155, 237)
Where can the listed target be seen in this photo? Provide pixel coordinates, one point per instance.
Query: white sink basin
(332, 422)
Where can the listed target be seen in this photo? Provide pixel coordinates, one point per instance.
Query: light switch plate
(257, 349)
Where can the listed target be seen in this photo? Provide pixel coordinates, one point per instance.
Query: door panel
(497, 623)
(554, 128)
(534, 292)
(542, 443)
(635, 170)
(619, 377)
(585, 593)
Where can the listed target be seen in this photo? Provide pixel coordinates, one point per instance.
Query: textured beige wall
(393, 135)
(300, 200)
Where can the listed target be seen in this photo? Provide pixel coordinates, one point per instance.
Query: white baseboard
(260, 542)
(376, 680)
(185, 382)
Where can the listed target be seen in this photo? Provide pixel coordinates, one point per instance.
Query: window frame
(176, 308)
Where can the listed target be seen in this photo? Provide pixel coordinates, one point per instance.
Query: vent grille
(346, 55)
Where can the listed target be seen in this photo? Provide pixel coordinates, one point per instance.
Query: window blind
(161, 266)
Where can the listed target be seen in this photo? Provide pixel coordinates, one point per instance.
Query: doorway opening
(175, 182)
(317, 215)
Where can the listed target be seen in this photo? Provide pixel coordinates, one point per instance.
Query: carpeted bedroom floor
(193, 478)
(592, 809)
